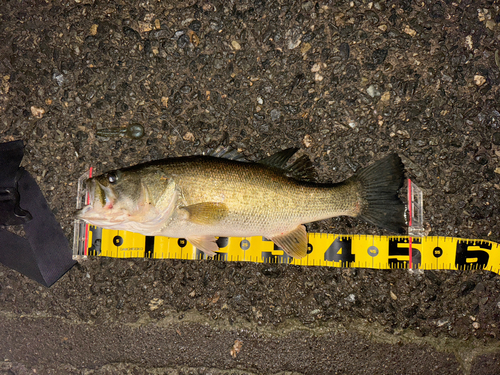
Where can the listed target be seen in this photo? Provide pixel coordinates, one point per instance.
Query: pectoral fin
(206, 213)
(205, 243)
(294, 243)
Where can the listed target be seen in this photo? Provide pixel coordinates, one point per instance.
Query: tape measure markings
(332, 250)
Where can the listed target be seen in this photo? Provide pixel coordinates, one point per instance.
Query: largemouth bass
(201, 197)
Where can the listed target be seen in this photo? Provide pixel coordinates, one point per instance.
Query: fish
(222, 194)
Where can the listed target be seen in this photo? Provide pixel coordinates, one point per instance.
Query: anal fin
(294, 243)
(206, 244)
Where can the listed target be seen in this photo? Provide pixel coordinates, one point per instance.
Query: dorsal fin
(226, 152)
(301, 169)
(279, 159)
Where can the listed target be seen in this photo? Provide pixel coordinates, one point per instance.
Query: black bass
(201, 197)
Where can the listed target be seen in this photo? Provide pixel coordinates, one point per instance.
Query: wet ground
(347, 82)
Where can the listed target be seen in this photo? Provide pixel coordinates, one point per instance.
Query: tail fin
(379, 184)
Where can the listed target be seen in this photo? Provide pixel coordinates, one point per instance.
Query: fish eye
(112, 177)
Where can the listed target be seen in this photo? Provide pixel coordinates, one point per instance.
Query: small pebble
(185, 89)
(490, 24)
(373, 91)
(59, 78)
(495, 138)
(481, 158)
(195, 25)
(236, 45)
(476, 325)
(446, 78)
(183, 41)
(344, 51)
(372, 17)
(386, 96)
(468, 42)
(155, 303)
(481, 15)
(294, 38)
(305, 48)
(37, 111)
(193, 38)
(442, 322)
(393, 296)
(307, 140)
(379, 56)
(236, 348)
(275, 115)
(259, 116)
(479, 80)
(408, 30)
(379, 5)
(144, 27)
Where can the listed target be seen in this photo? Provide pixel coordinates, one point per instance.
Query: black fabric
(44, 255)
(11, 154)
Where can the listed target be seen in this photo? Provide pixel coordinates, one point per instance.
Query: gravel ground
(347, 82)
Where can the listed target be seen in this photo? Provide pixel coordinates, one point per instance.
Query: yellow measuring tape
(331, 250)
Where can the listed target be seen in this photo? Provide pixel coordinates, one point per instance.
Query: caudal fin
(380, 183)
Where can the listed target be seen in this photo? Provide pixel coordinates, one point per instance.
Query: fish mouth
(84, 212)
(96, 199)
(101, 210)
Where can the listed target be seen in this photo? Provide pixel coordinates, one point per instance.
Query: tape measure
(332, 250)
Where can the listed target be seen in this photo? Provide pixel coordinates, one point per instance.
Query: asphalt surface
(348, 82)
